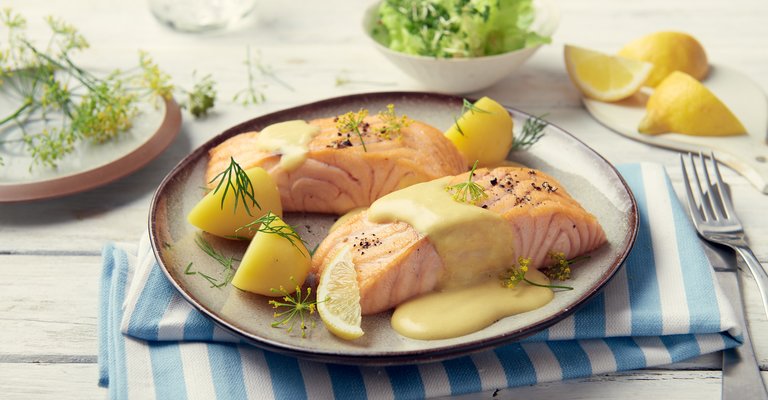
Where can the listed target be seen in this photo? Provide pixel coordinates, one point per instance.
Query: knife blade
(741, 372)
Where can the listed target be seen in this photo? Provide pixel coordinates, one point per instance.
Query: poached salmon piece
(395, 262)
(338, 174)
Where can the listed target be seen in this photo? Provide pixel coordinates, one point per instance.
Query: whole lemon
(682, 104)
(668, 52)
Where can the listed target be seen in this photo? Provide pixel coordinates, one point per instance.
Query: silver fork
(716, 220)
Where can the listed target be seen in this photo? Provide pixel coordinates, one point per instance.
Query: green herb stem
(547, 286)
(294, 309)
(235, 179)
(532, 131)
(27, 105)
(469, 191)
(266, 224)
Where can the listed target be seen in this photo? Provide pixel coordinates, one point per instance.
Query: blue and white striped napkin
(664, 306)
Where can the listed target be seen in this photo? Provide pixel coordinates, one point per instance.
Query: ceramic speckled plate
(90, 165)
(588, 177)
(747, 154)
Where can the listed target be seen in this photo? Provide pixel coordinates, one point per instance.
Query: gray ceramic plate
(588, 177)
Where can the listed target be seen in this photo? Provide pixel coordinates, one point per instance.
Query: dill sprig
(392, 122)
(257, 70)
(60, 104)
(516, 274)
(532, 131)
(266, 224)
(294, 309)
(467, 106)
(226, 262)
(469, 191)
(242, 187)
(202, 98)
(560, 270)
(353, 122)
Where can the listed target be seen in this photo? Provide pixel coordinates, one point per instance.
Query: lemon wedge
(668, 52)
(338, 296)
(605, 77)
(682, 104)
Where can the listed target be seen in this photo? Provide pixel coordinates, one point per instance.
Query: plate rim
(741, 163)
(416, 356)
(88, 179)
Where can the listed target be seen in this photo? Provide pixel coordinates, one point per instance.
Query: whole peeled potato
(483, 133)
(272, 261)
(225, 219)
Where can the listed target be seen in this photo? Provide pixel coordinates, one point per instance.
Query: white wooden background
(50, 250)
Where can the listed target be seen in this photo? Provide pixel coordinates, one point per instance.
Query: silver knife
(741, 372)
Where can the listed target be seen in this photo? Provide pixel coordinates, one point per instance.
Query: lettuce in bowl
(456, 28)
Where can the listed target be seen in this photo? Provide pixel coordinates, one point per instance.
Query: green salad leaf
(456, 28)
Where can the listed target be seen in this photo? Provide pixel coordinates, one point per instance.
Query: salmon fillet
(338, 175)
(395, 262)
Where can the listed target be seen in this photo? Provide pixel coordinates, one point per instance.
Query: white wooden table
(50, 250)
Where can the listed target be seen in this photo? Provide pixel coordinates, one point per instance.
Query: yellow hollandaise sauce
(290, 139)
(459, 231)
(476, 247)
(457, 312)
(346, 217)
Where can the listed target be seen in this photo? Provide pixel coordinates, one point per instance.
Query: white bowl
(464, 75)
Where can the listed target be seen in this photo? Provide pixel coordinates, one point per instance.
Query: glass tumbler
(200, 15)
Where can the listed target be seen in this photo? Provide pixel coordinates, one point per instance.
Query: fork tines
(711, 206)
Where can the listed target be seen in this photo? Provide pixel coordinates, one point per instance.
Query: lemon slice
(338, 296)
(605, 77)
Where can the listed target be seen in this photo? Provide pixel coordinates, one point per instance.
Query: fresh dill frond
(469, 106)
(188, 270)
(242, 187)
(207, 248)
(513, 276)
(257, 71)
(294, 309)
(532, 131)
(226, 262)
(458, 126)
(213, 281)
(202, 98)
(353, 122)
(60, 104)
(312, 252)
(251, 94)
(266, 224)
(560, 269)
(469, 191)
(153, 77)
(516, 274)
(392, 122)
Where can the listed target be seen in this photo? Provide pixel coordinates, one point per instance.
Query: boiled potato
(272, 261)
(483, 134)
(210, 216)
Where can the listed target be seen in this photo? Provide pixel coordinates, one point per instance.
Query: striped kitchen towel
(663, 306)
